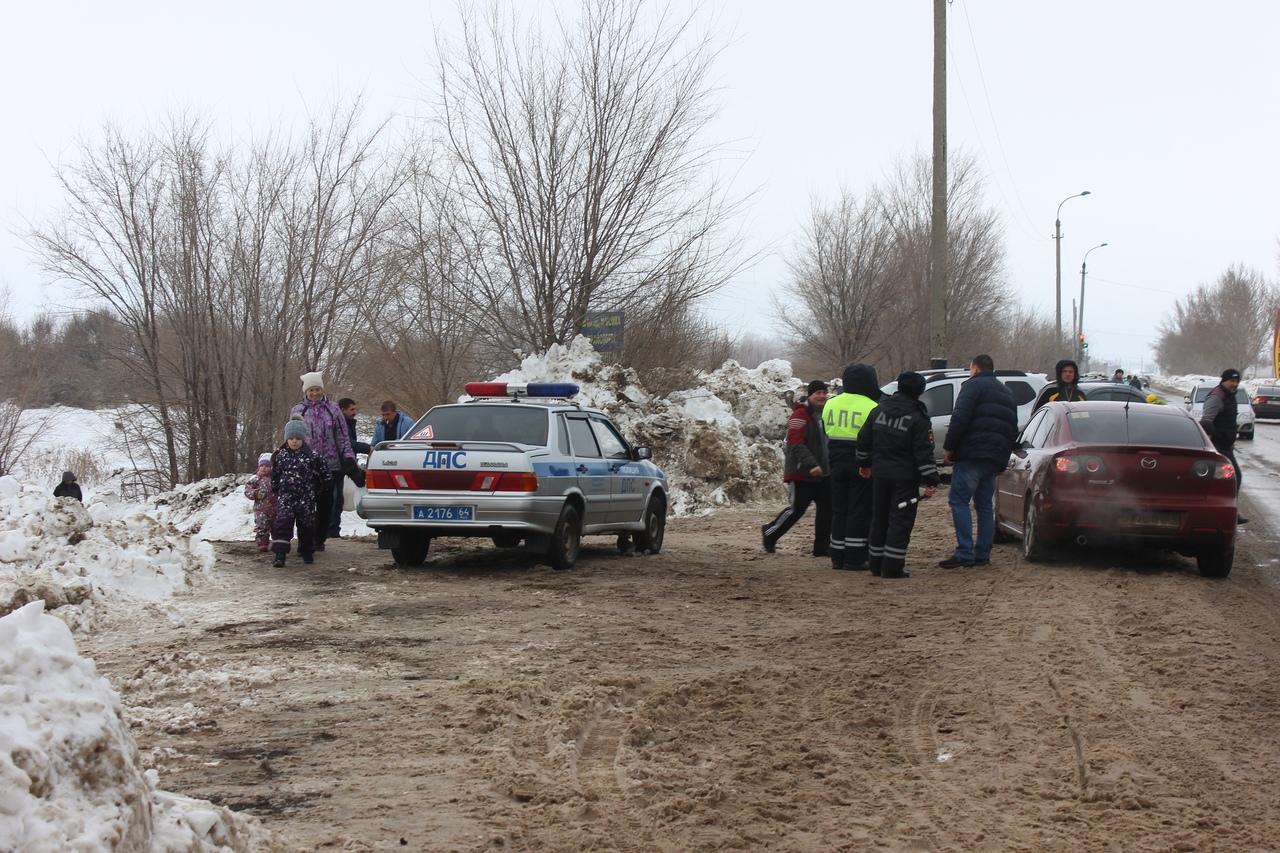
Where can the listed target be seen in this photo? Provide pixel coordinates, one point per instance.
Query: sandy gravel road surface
(715, 697)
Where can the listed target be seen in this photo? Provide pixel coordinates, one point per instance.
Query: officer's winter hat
(911, 384)
(1229, 374)
(296, 428)
(816, 385)
(312, 380)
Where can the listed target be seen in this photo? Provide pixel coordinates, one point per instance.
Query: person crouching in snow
(295, 470)
(258, 490)
(68, 488)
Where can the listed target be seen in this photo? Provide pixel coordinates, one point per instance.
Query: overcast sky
(1166, 111)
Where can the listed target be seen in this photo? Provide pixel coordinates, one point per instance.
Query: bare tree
(840, 276)
(859, 288)
(588, 184)
(1228, 324)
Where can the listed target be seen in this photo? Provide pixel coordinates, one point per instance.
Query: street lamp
(1080, 329)
(1057, 242)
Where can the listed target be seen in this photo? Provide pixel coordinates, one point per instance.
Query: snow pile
(57, 551)
(69, 773)
(718, 443)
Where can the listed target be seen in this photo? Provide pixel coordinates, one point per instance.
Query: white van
(942, 386)
(1245, 418)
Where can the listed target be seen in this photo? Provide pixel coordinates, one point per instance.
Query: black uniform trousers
(850, 516)
(803, 493)
(890, 524)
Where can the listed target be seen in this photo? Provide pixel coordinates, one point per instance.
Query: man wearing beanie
(842, 417)
(979, 441)
(805, 473)
(1218, 417)
(895, 449)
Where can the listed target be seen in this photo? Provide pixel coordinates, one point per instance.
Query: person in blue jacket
(984, 424)
(393, 425)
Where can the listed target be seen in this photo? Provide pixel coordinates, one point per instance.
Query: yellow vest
(844, 414)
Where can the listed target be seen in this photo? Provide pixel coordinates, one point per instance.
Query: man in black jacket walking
(984, 424)
(1220, 419)
(805, 473)
(895, 449)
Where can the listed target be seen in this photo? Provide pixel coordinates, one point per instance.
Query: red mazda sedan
(1111, 471)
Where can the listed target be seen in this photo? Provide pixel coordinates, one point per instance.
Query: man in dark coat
(1066, 389)
(842, 418)
(1219, 417)
(895, 450)
(984, 424)
(805, 473)
(68, 488)
(348, 408)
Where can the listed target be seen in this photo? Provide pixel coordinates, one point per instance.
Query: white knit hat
(312, 380)
(264, 458)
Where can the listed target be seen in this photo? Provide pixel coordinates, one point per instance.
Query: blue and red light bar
(521, 389)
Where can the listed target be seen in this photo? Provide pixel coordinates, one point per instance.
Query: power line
(1135, 286)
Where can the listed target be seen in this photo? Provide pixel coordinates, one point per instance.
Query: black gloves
(352, 470)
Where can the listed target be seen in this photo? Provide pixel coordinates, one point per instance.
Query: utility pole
(938, 233)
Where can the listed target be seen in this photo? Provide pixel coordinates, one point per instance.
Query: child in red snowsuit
(258, 490)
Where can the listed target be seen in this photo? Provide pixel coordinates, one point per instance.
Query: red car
(1112, 471)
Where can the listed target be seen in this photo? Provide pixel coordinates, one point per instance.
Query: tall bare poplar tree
(587, 182)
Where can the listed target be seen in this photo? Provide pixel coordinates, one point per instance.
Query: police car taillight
(521, 389)
(510, 482)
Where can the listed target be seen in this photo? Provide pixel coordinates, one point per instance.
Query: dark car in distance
(1266, 401)
(1107, 472)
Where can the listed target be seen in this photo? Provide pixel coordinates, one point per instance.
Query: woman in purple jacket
(330, 441)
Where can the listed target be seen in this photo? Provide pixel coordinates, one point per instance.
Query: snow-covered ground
(70, 778)
(69, 772)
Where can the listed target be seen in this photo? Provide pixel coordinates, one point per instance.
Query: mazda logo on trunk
(1148, 462)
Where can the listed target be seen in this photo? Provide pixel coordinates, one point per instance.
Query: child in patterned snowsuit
(295, 469)
(258, 490)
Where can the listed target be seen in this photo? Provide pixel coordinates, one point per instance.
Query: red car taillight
(483, 481)
(1210, 470)
(1074, 464)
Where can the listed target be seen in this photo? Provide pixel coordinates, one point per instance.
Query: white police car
(516, 463)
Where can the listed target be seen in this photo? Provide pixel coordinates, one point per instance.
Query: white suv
(1245, 417)
(942, 386)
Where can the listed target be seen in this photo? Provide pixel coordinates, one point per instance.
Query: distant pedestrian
(1118, 377)
(295, 471)
(330, 439)
(393, 424)
(895, 450)
(1066, 388)
(348, 408)
(805, 473)
(843, 416)
(258, 490)
(68, 488)
(1219, 417)
(984, 423)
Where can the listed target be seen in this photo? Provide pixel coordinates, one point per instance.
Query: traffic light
(1084, 345)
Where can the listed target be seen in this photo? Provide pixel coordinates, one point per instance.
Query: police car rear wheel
(655, 526)
(412, 550)
(566, 541)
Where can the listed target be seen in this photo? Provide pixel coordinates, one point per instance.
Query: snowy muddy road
(715, 697)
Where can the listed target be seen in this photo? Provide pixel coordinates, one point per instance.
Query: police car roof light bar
(521, 389)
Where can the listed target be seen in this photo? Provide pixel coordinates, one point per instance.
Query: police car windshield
(1146, 428)
(506, 422)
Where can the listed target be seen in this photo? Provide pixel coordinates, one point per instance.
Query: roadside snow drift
(69, 773)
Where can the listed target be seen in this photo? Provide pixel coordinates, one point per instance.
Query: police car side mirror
(642, 453)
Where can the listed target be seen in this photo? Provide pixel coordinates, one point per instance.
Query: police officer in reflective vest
(842, 418)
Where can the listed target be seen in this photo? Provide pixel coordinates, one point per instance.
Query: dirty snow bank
(69, 773)
(72, 558)
(718, 443)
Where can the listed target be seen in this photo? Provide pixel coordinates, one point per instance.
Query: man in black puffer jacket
(984, 424)
(895, 449)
